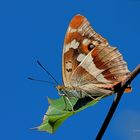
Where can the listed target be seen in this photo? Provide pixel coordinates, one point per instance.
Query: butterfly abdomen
(74, 93)
(71, 91)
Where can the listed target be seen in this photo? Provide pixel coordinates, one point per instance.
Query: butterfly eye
(90, 47)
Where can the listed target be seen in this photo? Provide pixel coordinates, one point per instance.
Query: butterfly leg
(88, 95)
(70, 103)
(63, 95)
(64, 98)
(96, 98)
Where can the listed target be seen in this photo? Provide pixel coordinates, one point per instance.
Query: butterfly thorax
(70, 91)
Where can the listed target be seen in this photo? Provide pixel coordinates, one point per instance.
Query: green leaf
(59, 110)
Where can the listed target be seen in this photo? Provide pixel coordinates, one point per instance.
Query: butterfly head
(60, 88)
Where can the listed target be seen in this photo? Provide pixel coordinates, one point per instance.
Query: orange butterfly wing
(89, 62)
(75, 48)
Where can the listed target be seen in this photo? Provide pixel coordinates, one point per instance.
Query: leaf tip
(34, 128)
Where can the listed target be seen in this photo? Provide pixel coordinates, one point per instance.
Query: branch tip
(115, 103)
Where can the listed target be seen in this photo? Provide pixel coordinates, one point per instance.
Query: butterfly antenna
(44, 81)
(47, 72)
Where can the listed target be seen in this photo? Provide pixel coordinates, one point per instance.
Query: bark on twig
(117, 98)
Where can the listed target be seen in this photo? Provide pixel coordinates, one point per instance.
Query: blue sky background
(33, 30)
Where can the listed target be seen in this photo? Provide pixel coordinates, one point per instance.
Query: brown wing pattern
(89, 61)
(107, 66)
(73, 47)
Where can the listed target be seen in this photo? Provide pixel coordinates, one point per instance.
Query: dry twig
(115, 103)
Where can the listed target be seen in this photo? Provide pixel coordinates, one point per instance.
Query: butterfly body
(71, 91)
(90, 65)
(91, 90)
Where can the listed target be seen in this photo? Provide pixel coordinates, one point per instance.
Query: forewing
(102, 66)
(89, 59)
(75, 48)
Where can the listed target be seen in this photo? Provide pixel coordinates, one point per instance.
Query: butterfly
(90, 66)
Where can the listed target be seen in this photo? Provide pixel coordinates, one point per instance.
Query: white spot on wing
(95, 43)
(86, 41)
(67, 47)
(80, 57)
(77, 44)
(68, 65)
(71, 30)
(74, 44)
